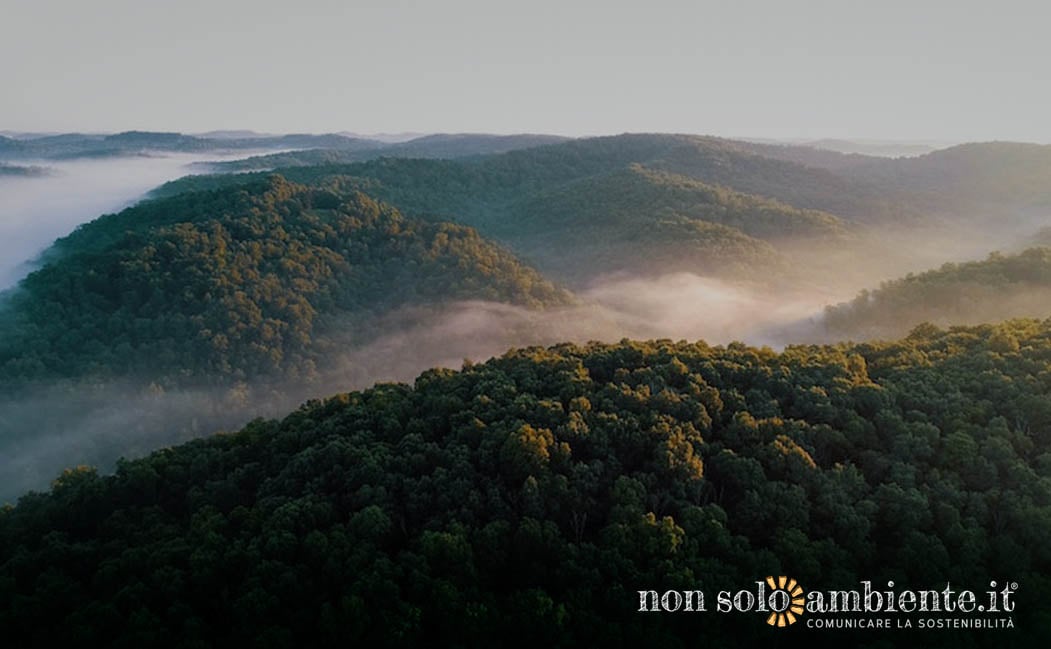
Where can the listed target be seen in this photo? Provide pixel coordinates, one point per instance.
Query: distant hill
(880, 148)
(587, 207)
(981, 180)
(241, 283)
(23, 171)
(78, 145)
(637, 219)
(440, 146)
(332, 147)
(992, 290)
(735, 165)
(984, 182)
(9, 146)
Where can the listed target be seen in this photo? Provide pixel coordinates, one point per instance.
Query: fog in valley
(57, 426)
(37, 209)
(69, 424)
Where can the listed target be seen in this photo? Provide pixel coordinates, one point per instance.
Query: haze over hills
(476, 325)
(499, 193)
(228, 296)
(865, 147)
(179, 316)
(997, 288)
(723, 239)
(974, 182)
(240, 283)
(442, 145)
(22, 170)
(713, 160)
(130, 143)
(893, 227)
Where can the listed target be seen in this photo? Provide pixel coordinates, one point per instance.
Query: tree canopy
(524, 501)
(241, 282)
(999, 287)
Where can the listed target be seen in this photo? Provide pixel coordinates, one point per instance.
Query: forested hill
(711, 160)
(246, 282)
(983, 173)
(640, 220)
(584, 208)
(1002, 286)
(445, 146)
(337, 146)
(979, 180)
(525, 501)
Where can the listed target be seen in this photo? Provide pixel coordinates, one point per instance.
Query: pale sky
(884, 69)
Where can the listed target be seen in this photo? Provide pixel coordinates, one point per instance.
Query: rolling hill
(735, 165)
(68, 146)
(583, 208)
(981, 182)
(999, 287)
(296, 148)
(241, 283)
(441, 146)
(990, 180)
(526, 502)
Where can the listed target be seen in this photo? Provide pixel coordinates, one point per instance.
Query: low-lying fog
(72, 424)
(36, 210)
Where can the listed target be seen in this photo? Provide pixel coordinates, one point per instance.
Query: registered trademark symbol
(1014, 585)
(981, 608)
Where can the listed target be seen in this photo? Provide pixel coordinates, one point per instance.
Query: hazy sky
(888, 69)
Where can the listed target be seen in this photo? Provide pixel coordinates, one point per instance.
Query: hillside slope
(583, 208)
(734, 165)
(442, 146)
(241, 283)
(991, 181)
(525, 501)
(999, 287)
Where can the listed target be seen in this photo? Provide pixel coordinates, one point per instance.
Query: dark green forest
(251, 282)
(521, 501)
(524, 501)
(634, 203)
(999, 287)
(731, 164)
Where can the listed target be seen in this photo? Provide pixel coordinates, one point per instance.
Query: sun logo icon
(786, 601)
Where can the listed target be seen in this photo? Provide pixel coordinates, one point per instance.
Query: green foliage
(958, 294)
(444, 146)
(247, 282)
(584, 208)
(523, 501)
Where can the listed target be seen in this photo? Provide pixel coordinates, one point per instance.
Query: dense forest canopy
(238, 283)
(524, 501)
(711, 160)
(584, 208)
(999, 287)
